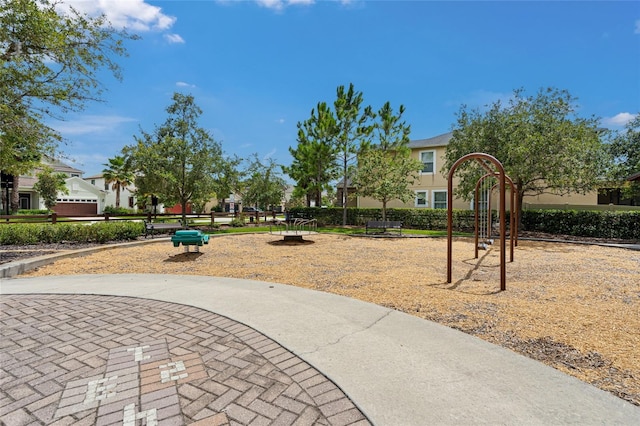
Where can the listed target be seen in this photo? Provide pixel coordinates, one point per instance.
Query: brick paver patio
(104, 360)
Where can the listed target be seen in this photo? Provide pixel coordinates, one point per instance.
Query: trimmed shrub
(114, 211)
(595, 224)
(583, 223)
(33, 211)
(101, 232)
(432, 219)
(236, 223)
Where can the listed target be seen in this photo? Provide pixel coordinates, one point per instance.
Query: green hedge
(599, 224)
(433, 219)
(33, 211)
(102, 232)
(117, 210)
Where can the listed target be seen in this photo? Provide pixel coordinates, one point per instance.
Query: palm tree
(118, 174)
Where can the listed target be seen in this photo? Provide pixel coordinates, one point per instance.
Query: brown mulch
(575, 307)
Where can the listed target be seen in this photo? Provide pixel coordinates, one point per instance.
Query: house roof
(635, 176)
(98, 176)
(440, 140)
(59, 166)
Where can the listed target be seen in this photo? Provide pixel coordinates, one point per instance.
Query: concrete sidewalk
(397, 369)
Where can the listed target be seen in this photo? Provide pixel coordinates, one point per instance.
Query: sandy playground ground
(574, 307)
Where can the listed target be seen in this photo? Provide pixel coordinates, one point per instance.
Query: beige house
(28, 197)
(85, 196)
(431, 187)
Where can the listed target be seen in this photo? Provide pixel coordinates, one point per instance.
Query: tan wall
(436, 181)
(589, 199)
(426, 182)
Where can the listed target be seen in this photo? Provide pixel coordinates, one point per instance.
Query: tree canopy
(49, 63)
(354, 129)
(176, 162)
(540, 140)
(264, 186)
(386, 169)
(119, 174)
(314, 165)
(625, 150)
(328, 144)
(49, 184)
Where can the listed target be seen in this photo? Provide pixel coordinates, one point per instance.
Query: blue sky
(256, 68)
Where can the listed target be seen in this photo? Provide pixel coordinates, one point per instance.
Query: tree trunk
(519, 203)
(384, 210)
(318, 200)
(5, 201)
(117, 196)
(344, 199)
(183, 203)
(15, 195)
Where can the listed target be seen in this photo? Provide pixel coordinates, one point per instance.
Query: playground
(571, 306)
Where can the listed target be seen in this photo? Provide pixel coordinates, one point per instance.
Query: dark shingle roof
(440, 140)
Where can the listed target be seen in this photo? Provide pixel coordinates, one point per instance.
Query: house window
(439, 199)
(130, 202)
(421, 199)
(75, 175)
(428, 159)
(93, 181)
(106, 186)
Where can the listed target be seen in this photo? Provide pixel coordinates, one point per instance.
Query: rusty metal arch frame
(498, 172)
(513, 217)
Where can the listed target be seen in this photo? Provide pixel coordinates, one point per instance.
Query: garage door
(70, 209)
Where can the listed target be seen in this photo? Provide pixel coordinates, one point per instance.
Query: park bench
(384, 225)
(190, 237)
(153, 227)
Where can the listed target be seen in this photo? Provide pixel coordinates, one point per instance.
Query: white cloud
(280, 121)
(174, 38)
(281, 4)
(618, 120)
(90, 124)
(135, 15)
(637, 31)
(183, 84)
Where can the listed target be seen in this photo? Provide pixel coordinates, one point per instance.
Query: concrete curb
(12, 269)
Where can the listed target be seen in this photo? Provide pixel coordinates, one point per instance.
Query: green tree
(314, 165)
(227, 177)
(118, 174)
(177, 160)
(49, 184)
(625, 150)
(354, 129)
(541, 142)
(386, 170)
(49, 66)
(264, 186)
